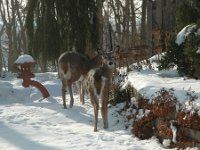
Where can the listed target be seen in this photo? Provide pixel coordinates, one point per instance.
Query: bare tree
(1, 51)
(100, 17)
(126, 24)
(11, 16)
(133, 23)
(150, 26)
(20, 12)
(123, 21)
(143, 23)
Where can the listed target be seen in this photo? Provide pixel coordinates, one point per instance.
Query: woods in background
(44, 28)
(12, 32)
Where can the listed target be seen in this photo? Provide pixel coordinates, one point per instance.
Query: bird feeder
(25, 63)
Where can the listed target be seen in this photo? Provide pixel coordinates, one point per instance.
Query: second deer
(72, 67)
(97, 84)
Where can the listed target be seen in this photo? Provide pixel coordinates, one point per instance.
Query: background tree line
(46, 28)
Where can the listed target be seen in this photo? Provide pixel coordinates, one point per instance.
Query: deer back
(73, 65)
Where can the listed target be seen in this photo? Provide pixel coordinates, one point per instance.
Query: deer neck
(108, 70)
(92, 64)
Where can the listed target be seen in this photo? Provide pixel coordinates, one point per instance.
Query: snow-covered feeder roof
(24, 59)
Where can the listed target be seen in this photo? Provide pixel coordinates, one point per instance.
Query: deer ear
(99, 51)
(103, 53)
(95, 53)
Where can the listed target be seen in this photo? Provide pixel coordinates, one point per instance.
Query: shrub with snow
(183, 52)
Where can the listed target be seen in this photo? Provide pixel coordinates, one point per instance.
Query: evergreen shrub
(183, 56)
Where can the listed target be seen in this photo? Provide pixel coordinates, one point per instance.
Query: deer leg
(96, 109)
(104, 108)
(104, 113)
(63, 95)
(71, 96)
(81, 93)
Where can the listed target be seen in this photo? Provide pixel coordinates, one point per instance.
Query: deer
(73, 67)
(97, 84)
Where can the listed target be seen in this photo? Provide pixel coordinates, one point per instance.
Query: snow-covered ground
(29, 123)
(148, 82)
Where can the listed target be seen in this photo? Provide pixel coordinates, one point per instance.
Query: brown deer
(97, 83)
(72, 67)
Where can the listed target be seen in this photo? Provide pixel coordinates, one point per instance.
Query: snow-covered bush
(167, 120)
(184, 52)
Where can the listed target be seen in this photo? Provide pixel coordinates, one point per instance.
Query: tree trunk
(1, 60)
(8, 11)
(116, 9)
(23, 38)
(1, 52)
(133, 25)
(100, 17)
(143, 23)
(127, 25)
(149, 27)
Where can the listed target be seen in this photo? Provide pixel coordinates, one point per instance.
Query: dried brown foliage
(163, 129)
(189, 120)
(144, 128)
(143, 103)
(186, 144)
(158, 121)
(164, 104)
